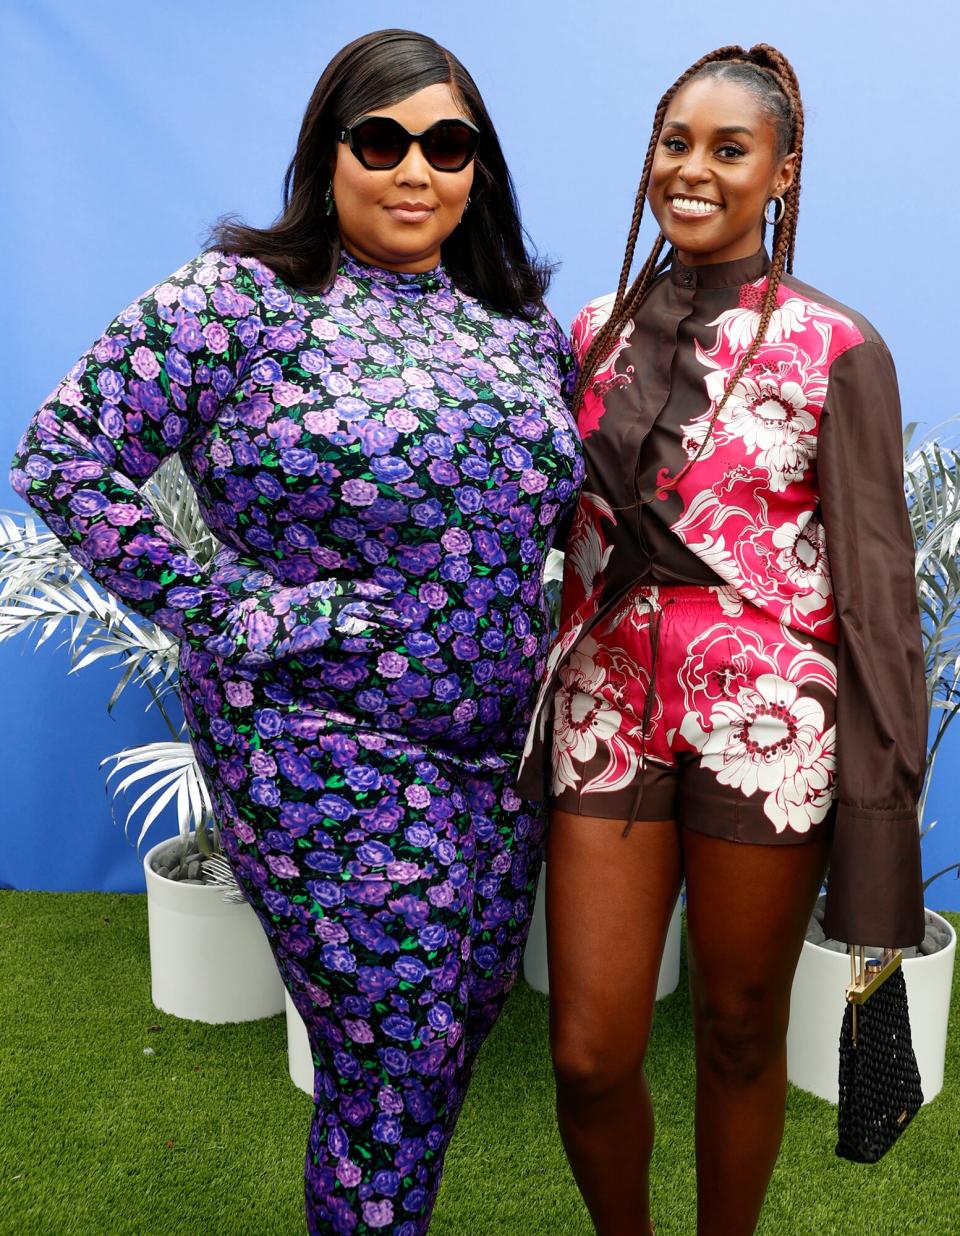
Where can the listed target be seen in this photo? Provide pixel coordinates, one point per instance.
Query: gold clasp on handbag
(872, 973)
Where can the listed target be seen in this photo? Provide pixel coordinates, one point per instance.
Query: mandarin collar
(719, 274)
(410, 282)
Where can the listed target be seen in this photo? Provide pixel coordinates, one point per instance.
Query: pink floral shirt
(796, 503)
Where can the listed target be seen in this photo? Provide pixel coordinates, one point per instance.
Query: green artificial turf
(207, 1135)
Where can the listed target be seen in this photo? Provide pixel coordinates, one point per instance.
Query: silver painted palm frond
(171, 775)
(173, 498)
(43, 591)
(932, 478)
(216, 870)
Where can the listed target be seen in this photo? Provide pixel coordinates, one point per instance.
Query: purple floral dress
(385, 465)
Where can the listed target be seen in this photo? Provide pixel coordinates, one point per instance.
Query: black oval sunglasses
(381, 143)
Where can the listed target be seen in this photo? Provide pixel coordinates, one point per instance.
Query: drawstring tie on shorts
(648, 703)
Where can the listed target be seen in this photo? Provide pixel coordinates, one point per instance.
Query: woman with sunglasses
(368, 398)
(738, 682)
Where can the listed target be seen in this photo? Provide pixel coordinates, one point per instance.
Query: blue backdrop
(127, 129)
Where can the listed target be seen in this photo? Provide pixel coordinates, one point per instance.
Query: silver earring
(328, 201)
(779, 210)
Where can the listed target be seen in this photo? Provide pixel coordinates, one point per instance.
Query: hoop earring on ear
(329, 204)
(779, 210)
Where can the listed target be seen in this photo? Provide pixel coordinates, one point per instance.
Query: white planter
(299, 1058)
(209, 958)
(535, 957)
(816, 1013)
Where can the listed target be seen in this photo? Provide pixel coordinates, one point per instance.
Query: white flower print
(586, 550)
(739, 325)
(585, 329)
(538, 721)
(580, 721)
(772, 419)
(582, 718)
(772, 409)
(731, 602)
(804, 799)
(695, 442)
(718, 663)
(803, 561)
(767, 739)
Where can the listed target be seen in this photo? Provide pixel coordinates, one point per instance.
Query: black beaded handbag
(879, 1080)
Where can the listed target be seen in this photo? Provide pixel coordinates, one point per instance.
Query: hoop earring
(329, 204)
(779, 210)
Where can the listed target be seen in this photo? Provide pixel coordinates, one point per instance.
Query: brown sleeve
(874, 893)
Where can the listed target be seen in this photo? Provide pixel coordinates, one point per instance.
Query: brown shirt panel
(875, 886)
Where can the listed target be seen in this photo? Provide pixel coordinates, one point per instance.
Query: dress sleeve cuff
(875, 887)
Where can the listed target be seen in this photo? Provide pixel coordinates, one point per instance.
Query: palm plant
(45, 592)
(932, 479)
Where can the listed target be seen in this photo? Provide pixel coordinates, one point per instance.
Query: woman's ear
(788, 169)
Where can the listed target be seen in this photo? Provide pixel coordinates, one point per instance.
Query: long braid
(782, 70)
(618, 315)
(773, 64)
(643, 280)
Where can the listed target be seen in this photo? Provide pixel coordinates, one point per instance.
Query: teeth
(693, 206)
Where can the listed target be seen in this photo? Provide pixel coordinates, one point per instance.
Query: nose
(694, 170)
(414, 170)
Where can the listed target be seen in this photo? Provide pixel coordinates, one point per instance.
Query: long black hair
(485, 255)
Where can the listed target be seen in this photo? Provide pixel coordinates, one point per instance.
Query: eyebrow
(726, 129)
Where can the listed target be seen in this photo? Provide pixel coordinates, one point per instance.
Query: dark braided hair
(768, 74)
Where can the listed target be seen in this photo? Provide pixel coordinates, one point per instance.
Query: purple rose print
(378, 1215)
(297, 461)
(88, 502)
(266, 371)
(268, 722)
(443, 472)
(264, 792)
(384, 466)
(395, 1061)
(337, 957)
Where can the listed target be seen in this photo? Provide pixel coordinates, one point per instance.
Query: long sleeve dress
(385, 466)
(796, 506)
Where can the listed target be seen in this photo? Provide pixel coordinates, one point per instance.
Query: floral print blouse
(796, 503)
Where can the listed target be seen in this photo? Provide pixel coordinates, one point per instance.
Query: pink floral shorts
(688, 703)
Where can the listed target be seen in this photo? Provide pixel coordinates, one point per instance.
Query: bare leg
(747, 912)
(609, 901)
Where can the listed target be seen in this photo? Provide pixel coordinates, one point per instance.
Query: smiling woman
(738, 684)
(717, 166)
(369, 399)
